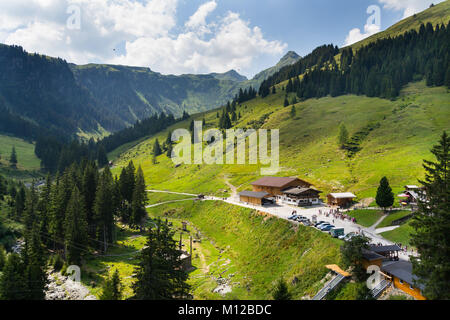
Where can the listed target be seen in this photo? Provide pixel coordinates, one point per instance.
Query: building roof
(277, 182)
(297, 190)
(343, 195)
(412, 186)
(379, 249)
(371, 256)
(252, 194)
(403, 271)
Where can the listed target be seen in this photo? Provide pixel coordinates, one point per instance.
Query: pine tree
(160, 275)
(75, 229)
(281, 291)
(104, 210)
(12, 281)
(169, 151)
(352, 255)
(274, 90)
(35, 272)
(112, 288)
(343, 136)
(139, 199)
(432, 225)
(286, 102)
(157, 148)
(102, 158)
(385, 196)
(293, 112)
(2, 258)
(13, 158)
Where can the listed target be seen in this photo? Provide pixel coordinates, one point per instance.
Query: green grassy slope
(439, 14)
(409, 127)
(28, 163)
(261, 250)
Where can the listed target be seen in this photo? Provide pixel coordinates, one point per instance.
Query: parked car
(317, 223)
(293, 217)
(348, 236)
(307, 223)
(327, 227)
(322, 225)
(337, 232)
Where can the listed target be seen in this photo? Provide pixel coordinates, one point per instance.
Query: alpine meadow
(109, 190)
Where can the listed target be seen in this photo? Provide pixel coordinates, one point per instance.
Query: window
(401, 281)
(411, 287)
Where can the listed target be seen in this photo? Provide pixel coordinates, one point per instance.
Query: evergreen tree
(2, 258)
(352, 255)
(75, 229)
(104, 210)
(286, 102)
(139, 199)
(157, 148)
(13, 158)
(20, 202)
(293, 112)
(385, 196)
(102, 158)
(12, 282)
(274, 90)
(160, 275)
(281, 291)
(35, 272)
(169, 151)
(432, 225)
(112, 288)
(343, 136)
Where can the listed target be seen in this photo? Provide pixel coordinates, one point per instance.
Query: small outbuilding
(340, 199)
(255, 198)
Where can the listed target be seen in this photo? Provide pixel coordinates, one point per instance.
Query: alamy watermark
(229, 150)
(74, 20)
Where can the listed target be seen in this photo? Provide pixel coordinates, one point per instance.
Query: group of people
(336, 214)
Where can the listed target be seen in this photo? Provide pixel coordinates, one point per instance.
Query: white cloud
(355, 34)
(139, 33)
(198, 19)
(234, 45)
(409, 7)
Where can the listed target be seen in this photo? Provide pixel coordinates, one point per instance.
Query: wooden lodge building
(398, 273)
(275, 185)
(293, 191)
(254, 198)
(340, 199)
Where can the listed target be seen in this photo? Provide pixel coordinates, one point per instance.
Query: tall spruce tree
(13, 158)
(2, 257)
(12, 280)
(431, 225)
(281, 291)
(157, 148)
(104, 210)
(139, 213)
(35, 270)
(160, 275)
(102, 158)
(75, 229)
(112, 287)
(385, 196)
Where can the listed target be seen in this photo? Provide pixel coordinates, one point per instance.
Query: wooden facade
(275, 185)
(340, 199)
(407, 288)
(250, 200)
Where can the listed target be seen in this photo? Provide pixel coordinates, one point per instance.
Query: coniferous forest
(379, 69)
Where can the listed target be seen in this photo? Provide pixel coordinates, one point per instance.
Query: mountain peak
(232, 75)
(289, 58)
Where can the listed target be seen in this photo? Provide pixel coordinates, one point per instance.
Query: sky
(193, 36)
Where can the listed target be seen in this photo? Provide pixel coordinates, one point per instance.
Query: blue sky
(193, 36)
